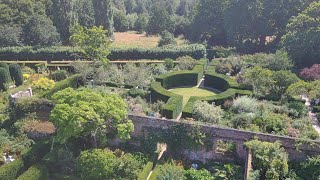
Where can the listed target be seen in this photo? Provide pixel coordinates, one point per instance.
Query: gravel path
(312, 116)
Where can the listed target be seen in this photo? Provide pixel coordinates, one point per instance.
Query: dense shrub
(185, 63)
(43, 84)
(16, 74)
(245, 104)
(205, 112)
(10, 171)
(35, 172)
(298, 109)
(170, 171)
(169, 63)
(4, 79)
(36, 153)
(166, 39)
(158, 92)
(59, 75)
(25, 106)
(135, 92)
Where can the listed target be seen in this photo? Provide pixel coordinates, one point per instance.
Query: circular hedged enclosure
(227, 86)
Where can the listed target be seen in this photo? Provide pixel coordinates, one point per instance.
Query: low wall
(214, 133)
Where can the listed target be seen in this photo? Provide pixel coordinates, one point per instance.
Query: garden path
(312, 116)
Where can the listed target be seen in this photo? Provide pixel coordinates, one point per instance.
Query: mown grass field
(132, 39)
(192, 91)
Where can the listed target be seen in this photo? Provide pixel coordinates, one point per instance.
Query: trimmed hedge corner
(10, 171)
(173, 107)
(35, 172)
(72, 81)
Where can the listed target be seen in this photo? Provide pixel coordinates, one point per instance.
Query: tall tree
(159, 21)
(208, 22)
(302, 40)
(104, 14)
(62, 12)
(84, 12)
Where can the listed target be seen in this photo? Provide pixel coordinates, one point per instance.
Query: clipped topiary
(16, 74)
(59, 75)
(4, 79)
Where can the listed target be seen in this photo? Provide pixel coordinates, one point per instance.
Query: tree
(93, 42)
(249, 23)
(104, 15)
(121, 23)
(170, 172)
(166, 39)
(159, 21)
(84, 12)
(311, 89)
(208, 22)
(310, 169)
(104, 164)
(260, 79)
(312, 73)
(141, 23)
(10, 35)
(270, 158)
(283, 79)
(62, 12)
(302, 40)
(81, 113)
(39, 30)
(4, 79)
(205, 112)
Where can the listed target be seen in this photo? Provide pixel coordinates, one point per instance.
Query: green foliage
(135, 92)
(141, 23)
(283, 79)
(16, 74)
(173, 107)
(298, 109)
(104, 164)
(13, 144)
(4, 65)
(270, 158)
(170, 172)
(209, 113)
(159, 21)
(185, 63)
(34, 154)
(302, 37)
(91, 110)
(169, 63)
(59, 75)
(43, 84)
(10, 35)
(103, 12)
(59, 160)
(193, 174)
(11, 170)
(260, 79)
(245, 104)
(35, 172)
(166, 39)
(309, 169)
(121, 23)
(39, 30)
(93, 42)
(4, 79)
(72, 82)
(25, 106)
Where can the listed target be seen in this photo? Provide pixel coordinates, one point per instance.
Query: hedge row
(72, 81)
(183, 78)
(10, 171)
(218, 99)
(173, 106)
(35, 172)
(29, 53)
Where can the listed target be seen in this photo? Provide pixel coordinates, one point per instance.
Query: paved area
(312, 116)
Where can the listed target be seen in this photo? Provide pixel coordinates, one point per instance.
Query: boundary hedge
(34, 53)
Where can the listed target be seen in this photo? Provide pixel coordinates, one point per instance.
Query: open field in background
(133, 39)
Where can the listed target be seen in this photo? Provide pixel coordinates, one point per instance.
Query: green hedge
(173, 107)
(35, 172)
(25, 106)
(29, 53)
(218, 99)
(316, 109)
(72, 81)
(10, 171)
(185, 77)
(16, 74)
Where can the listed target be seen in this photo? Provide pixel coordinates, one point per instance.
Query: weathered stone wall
(296, 153)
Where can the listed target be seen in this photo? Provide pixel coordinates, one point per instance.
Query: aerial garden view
(159, 90)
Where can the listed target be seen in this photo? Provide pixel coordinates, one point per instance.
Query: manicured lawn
(192, 91)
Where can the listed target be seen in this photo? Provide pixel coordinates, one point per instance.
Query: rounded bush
(16, 74)
(59, 75)
(4, 79)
